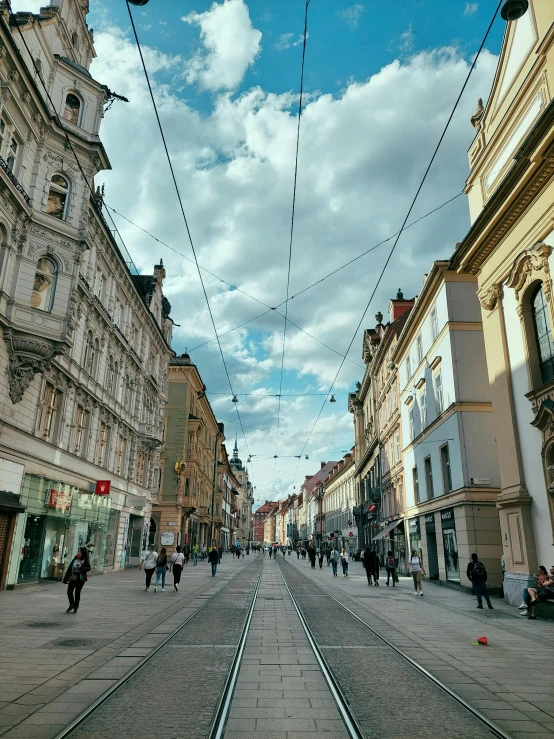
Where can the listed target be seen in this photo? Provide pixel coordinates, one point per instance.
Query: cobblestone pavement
(511, 681)
(53, 665)
(281, 692)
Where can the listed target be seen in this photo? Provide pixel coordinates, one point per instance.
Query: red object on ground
(483, 640)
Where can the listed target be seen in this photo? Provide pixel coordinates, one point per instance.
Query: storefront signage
(135, 501)
(447, 519)
(172, 523)
(430, 522)
(371, 508)
(167, 538)
(103, 487)
(59, 500)
(413, 525)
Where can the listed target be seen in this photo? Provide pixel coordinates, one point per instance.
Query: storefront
(432, 551)
(9, 511)
(414, 530)
(450, 544)
(60, 519)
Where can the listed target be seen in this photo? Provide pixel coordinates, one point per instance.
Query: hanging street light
(512, 10)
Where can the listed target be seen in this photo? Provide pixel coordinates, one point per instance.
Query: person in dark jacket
(311, 555)
(320, 557)
(368, 565)
(390, 566)
(213, 559)
(477, 575)
(75, 578)
(161, 569)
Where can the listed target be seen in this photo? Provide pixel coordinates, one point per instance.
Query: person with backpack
(149, 564)
(477, 575)
(177, 562)
(416, 569)
(390, 566)
(335, 561)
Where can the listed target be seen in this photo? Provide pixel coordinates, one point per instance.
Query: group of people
(161, 564)
(543, 591)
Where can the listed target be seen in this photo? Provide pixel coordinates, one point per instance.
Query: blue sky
(381, 78)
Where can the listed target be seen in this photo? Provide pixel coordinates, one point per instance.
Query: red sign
(371, 508)
(59, 500)
(103, 487)
(350, 534)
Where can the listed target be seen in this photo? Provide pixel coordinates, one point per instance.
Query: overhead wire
(178, 193)
(402, 228)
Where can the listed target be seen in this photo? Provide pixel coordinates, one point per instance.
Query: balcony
(7, 171)
(150, 434)
(189, 502)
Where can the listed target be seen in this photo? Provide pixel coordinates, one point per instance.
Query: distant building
(259, 517)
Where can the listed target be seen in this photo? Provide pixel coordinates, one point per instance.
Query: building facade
(448, 447)
(338, 503)
(509, 250)
(258, 521)
(244, 501)
(86, 342)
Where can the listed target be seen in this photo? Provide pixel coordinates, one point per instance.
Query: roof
(319, 476)
(76, 66)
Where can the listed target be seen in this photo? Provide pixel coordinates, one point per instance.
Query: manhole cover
(43, 625)
(77, 643)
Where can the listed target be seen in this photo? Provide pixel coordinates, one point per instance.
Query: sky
(380, 81)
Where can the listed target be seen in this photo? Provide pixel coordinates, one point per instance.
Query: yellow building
(509, 250)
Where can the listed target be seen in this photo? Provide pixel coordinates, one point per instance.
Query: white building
(448, 445)
(83, 361)
(339, 500)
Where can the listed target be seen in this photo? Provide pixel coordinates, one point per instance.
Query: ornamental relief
(489, 298)
(530, 266)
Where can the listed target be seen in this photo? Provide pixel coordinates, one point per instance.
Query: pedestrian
(334, 561)
(416, 569)
(367, 565)
(186, 553)
(311, 557)
(161, 569)
(376, 565)
(390, 566)
(76, 577)
(204, 552)
(213, 559)
(177, 562)
(328, 555)
(195, 550)
(477, 575)
(540, 578)
(149, 564)
(220, 553)
(545, 592)
(344, 562)
(270, 552)
(297, 552)
(321, 555)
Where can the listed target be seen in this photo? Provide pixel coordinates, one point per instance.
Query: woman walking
(335, 561)
(367, 565)
(390, 566)
(177, 562)
(161, 569)
(149, 564)
(376, 567)
(75, 578)
(344, 562)
(320, 556)
(416, 568)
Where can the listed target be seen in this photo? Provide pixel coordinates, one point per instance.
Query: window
(397, 446)
(438, 392)
(58, 197)
(419, 348)
(99, 284)
(110, 375)
(411, 422)
(428, 477)
(72, 108)
(81, 427)
(391, 445)
(415, 478)
(2, 135)
(390, 403)
(141, 460)
(44, 285)
(12, 154)
(103, 444)
(543, 335)
(90, 354)
(49, 412)
(116, 379)
(423, 409)
(408, 368)
(120, 455)
(434, 323)
(117, 314)
(126, 392)
(446, 473)
(75, 40)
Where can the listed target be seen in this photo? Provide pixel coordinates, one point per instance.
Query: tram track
(307, 597)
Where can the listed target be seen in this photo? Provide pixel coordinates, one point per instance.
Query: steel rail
(350, 721)
(458, 698)
(114, 688)
(222, 712)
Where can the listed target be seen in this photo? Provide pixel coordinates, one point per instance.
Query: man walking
(477, 574)
(195, 554)
(213, 559)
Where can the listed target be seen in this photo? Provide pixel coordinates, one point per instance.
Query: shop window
(50, 407)
(434, 323)
(58, 197)
(543, 335)
(415, 478)
(72, 108)
(428, 477)
(437, 381)
(44, 285)
(81, 431)
(446, 472)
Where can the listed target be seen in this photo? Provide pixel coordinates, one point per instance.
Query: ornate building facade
(243, 529)
(86, 343)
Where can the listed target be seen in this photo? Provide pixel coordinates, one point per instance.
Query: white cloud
(362, 154)
(351, 15)
(406, 40)
(287, 41)
(471, 8)
(231, 44)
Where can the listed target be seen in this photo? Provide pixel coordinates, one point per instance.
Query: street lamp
(512, 10)
(140, 3)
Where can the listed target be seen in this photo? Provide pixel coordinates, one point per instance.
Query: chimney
(399, 305)
(323, 464)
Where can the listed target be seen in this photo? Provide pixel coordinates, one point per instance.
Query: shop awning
(388, 528)
(10, 502)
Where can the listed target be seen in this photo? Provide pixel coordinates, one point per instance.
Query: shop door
(29, 568)
(5, 541)
(134, 543)
(451, 555)
(433, 563)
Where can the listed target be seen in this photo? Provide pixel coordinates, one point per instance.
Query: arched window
(72, 108)
(543, 335)
(90, 358)
(44, 285)
(75, 40)
(58, 197)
